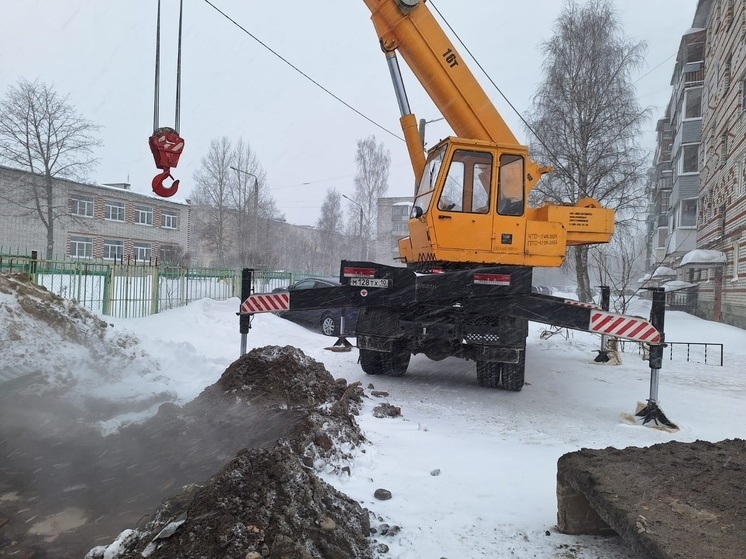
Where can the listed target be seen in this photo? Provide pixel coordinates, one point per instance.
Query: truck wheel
(514, 374)
(370, 361)
(329, 325)
(395, 363)
(488, 374)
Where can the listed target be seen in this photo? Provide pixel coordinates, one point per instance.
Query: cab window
(467, 183)
(510, 185)
(428, 180)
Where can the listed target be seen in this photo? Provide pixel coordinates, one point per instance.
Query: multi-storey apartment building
(93, 222)
(685, 120)
(722, 189)
(661, 184)
(705, 126)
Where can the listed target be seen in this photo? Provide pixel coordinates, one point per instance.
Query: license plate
(369, 282)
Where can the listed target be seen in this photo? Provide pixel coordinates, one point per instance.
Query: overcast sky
(102, 55)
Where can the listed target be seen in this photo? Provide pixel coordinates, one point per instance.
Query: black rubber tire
(395, 363)
(488, 374)
(514, 374)
(370, 361)
(329, 325)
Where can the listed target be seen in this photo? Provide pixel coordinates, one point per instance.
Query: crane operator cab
(470, 207)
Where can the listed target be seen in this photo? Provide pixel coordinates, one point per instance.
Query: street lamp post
(256, 199)
(361, 224)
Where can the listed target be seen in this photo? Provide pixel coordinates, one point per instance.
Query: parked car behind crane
(325, 320)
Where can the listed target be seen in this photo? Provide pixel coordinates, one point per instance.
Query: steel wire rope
(157, 87)
(301, 72)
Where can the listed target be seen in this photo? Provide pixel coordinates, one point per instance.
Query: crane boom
(409, 27)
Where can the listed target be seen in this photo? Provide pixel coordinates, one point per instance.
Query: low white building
(91, 222)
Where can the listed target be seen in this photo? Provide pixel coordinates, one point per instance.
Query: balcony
(682, 240)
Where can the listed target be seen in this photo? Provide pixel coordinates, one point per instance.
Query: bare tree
(329, 227)
(212, 196)
(618, 265)
(371, 183)
(587, 120)
(42, 133)
(244, 196)
(236, 210)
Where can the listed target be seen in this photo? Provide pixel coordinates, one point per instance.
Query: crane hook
(162, 190)
(166, 145)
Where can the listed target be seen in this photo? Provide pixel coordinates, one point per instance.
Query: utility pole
(256, 203)
(421, 129)
(360, 228)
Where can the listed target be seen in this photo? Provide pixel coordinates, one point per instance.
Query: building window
(693, 106)
(689, 159)
(167, 254)
(726, 77)
(144, 215)
(81, 205)
(169, 219)
(113, 250)
(114, 211)
(141, 251)
(81, 247)
(723, 220)
(689, 213)
(401, 210)
(736, 259)
(723, 147)
(662, 235)
(665, 201)
(742, 177)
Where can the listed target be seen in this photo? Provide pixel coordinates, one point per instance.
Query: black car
(325, 320)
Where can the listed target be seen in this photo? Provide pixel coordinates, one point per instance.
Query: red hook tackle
(162, 190)
(166, 146)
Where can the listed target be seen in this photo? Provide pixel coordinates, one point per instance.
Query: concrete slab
(668, 501)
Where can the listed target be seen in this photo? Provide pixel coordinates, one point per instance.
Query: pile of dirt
(236, 466)
(56, 347)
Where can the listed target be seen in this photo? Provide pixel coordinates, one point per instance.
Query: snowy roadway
(496, 452)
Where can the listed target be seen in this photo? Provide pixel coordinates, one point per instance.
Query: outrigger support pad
(651, 412)
(342, 344)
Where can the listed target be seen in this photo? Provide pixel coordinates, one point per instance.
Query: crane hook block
(162, 190)
(166, 146)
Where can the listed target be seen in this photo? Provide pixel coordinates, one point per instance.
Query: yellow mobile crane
(466, 288)
(470, 203)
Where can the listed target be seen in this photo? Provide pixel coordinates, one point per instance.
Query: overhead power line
(301, 72)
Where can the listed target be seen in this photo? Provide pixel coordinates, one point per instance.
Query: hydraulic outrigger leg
(651, 412)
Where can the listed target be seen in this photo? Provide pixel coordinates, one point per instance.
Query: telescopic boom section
(409, 27)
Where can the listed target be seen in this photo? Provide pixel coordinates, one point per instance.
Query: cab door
(462, 215)
(510, 209)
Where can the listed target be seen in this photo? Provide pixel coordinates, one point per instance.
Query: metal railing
(694, 351)
(689, 356)
(132, 290)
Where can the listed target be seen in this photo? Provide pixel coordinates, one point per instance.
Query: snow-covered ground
(472, 470)
(496, 451)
